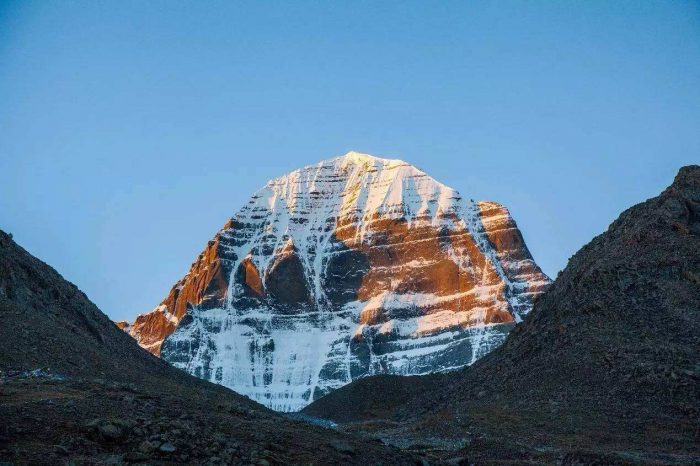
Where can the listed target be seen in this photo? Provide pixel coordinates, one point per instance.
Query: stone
(60, 449)
(110, 431)
(167, 447)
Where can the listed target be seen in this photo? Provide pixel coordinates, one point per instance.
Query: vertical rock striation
(354, 266)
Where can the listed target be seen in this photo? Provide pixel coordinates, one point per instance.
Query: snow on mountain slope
(353, 266)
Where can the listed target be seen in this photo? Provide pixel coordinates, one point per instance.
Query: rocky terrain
(604, 370)
(74, 389)
(350, 267)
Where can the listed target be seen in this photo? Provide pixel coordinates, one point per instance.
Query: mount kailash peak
(350, 267)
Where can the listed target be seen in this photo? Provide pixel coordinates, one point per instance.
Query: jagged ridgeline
(350, 267)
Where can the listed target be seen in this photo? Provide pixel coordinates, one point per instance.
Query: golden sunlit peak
(359, 157)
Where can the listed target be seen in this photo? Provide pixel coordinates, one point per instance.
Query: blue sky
(130, 131)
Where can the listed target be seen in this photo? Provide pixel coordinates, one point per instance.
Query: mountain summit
(353, 266)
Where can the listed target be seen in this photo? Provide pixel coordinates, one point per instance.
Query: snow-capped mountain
(353, 266)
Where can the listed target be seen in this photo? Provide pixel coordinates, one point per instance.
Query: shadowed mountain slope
(606, 362)
(76, 389)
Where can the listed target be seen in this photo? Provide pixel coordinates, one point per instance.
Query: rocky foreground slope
(604, 370)
(74, 389)
(350, 267)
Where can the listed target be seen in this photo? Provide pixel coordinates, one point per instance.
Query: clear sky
(131, 130)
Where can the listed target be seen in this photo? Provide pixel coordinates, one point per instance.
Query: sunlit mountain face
(353, 266)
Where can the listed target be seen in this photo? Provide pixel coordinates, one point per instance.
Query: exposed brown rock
(206, 282)
(248, 276)
(121, 324)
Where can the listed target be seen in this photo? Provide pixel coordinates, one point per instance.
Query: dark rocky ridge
(74, 389)
(605, 368)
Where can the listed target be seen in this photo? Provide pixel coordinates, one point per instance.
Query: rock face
(350, 267)
(607, 355)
